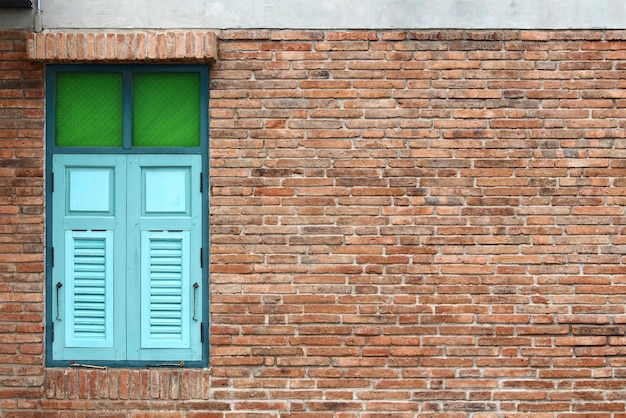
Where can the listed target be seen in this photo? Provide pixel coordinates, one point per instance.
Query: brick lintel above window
(122, 46)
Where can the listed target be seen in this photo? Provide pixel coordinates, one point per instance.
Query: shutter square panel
(90, 190)
(89, 289)
(166, 191)
(165, 289)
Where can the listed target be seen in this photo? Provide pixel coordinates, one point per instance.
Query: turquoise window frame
(52, 149)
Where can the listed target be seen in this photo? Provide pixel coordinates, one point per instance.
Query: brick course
(402, 223)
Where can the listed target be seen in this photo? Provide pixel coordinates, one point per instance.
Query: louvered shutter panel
(89, 289)
(166, 282)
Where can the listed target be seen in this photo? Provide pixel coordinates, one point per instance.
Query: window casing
(127, 204)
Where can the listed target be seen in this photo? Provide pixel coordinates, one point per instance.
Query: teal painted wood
(90, 189)
(89, 236)
(166, 285)
(89, 288)
(165, 205)
(129, 228)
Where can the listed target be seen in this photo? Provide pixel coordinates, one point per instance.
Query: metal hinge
(201, 266)
(202, 332)
(52, 330)
(201, 187)
(52, 182)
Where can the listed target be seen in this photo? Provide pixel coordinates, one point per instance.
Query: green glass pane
(166, 110)
(89, 110)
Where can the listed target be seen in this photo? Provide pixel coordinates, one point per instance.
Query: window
(126, 214)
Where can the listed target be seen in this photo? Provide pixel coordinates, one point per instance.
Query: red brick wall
(402, 223)
(21, 226)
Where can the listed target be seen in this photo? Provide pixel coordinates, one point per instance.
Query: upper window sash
(127, 108)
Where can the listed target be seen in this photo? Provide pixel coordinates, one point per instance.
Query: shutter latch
(58, 286)
(195, 296)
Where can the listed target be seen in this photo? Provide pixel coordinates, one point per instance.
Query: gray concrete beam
(324, 14)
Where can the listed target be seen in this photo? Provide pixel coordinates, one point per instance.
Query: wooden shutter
(165, 208)
(89, 257)
(127, 234)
